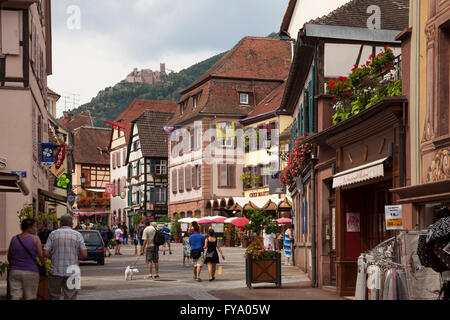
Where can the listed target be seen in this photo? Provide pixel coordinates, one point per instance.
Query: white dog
(129, 272)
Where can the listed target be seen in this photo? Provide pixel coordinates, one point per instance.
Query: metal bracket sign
(394, 217)
(23, 174)
(3, 163)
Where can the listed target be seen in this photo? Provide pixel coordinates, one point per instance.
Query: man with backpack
(106, 236)
(153, 238)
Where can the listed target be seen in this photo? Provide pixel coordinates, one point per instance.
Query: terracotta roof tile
(255, 66)
(137, 107)
(270, 103)
(153, 138)
(75, 121)
(394, 14)
(89, 142)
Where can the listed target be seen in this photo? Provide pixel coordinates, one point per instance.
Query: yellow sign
(229, 134)
(394, 217)
(58, 172)
(392, 223)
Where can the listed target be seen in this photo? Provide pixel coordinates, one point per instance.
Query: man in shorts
(167, 235)
(197, 242)
(151, 250)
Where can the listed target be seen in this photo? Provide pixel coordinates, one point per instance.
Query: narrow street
(108, 283)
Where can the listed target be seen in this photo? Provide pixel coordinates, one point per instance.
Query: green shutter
(311, 101)
(130, 198)
(305, 100)
(152, 166)
(152, 195)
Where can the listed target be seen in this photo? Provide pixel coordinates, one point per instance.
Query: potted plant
(383, 62)
(262, 265)
(230, 232)
(246, 178)
(176, 229)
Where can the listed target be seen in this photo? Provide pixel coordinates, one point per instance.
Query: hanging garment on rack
(361, 279)
(373, 282)
(387, 290)
(394, 284)
(402, 291)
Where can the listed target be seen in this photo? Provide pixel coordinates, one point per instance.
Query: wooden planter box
(385, 69)
(263, 271)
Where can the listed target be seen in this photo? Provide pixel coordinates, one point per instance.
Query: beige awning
(10, 182)
(359, 174)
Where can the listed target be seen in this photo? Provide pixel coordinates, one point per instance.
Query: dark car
(94, 245)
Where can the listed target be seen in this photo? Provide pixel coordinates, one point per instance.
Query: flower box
(385, 69)
(266, 270)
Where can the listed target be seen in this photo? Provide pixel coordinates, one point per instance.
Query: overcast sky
(114, 36)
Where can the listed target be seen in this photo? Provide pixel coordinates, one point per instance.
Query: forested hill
(110, 102)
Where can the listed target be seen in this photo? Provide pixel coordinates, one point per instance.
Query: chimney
(162, 68)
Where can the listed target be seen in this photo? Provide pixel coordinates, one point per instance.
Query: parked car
(94, 245)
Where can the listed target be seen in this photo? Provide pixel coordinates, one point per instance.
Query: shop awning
(53, 197)
(77, 213)
(100, 190)
(359, 174)
(424, 193)
(10, 182)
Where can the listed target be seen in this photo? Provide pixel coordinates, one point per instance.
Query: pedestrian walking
(197, 242)
(186, 249)
(135, 241)
(65, 247)
(125, 233)
(141, 228)
(288, 241)
(119, 239)
(167, 235)
(106, 236)
(151, 250)
(43, 232)
(212, 257)
(23, 252)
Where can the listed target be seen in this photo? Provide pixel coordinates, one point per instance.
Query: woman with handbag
(23, 252)
(211, 257)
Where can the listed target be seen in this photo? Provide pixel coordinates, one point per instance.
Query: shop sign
(47, 154)
(3, 163)
(109, 189)
(394, 217)
(57, 172)
(259, 194)
(63, 182)
(23, 174)
(60, 156)
(353, 222)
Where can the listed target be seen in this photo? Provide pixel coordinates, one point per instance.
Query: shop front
(354, 179)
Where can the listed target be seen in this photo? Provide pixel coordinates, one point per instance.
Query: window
(124, 156)
(227, 175)
(266, 175)
(198, 137)
(118, 160)
(160, 195)
(243, 98)
(137, 145)
(196, 99)
(183, 106)
(161, 166)
(225, 134)
(192, 140)
(174, 181)
(130, 170)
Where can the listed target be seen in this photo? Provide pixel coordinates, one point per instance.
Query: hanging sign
(353, 222)
(57, 172)
(47, 154)
(394, 217)
(60, 156)
(3, 163)
(23, 174)
(63, 182)
(109, 189)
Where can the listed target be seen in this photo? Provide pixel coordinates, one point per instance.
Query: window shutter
(124, 156)
(152, 195)
(311, 102)
(304, 113)
(152, 166)
(223, 177)
(130, 198)
(174, 181)
(119, 162)
(199, 176)
(117, 189)
(194, 177)
(124, 185)
(188, 177)
(113, 160)
(231, 173)
(181, 179)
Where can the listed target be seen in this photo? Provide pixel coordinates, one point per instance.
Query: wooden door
(333, 242)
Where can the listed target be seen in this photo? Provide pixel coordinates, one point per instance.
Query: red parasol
(204, 221)
(240, 222)
(219, 220)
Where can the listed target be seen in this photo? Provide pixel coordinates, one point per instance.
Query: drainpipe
(314, 222)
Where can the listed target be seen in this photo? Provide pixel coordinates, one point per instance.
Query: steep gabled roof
(75, 121)
(268, 105)
(394, 14)
(137, 107)
(153, 138)
(91, 145)
(251, 58)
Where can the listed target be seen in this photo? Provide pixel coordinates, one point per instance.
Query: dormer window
(196, 99)
(243, 98)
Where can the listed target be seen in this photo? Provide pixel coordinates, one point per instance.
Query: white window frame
(228, 143)
(160, 195)
(161, 167)
(245, 101)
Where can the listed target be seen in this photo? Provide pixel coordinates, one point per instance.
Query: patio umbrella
(187, 220)
(219, 220)
(204, 221)
(240, 222)
(284, 221)
(229, 220)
